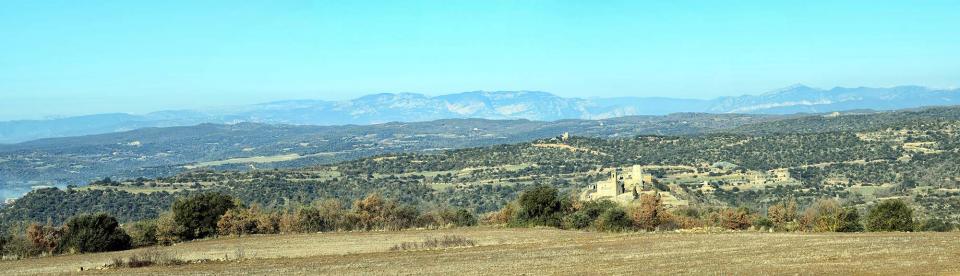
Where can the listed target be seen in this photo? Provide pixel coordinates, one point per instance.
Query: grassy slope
(549, 251)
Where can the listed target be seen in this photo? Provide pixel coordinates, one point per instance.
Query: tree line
(215, 214)
(209, 215)
(546, 206)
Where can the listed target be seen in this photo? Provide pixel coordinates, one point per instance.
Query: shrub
(614, 219)
(333, 213)
(763, 222)
(539, 205)
(93, 233)
(435, 243)
(370, 213)
(198, 215)
(936, 225)
(241, 221)
(147, 258)
(503, 216)
(579, 220)
(289, 223)
(326, 215)
(311, 220)
(586, 213)
(445, 217)
(267, 222)
(783, 215)
(890, 215)
(850, 221)
(820, 216)
(142, 233)
(462, 218)
(826, 215)
(686, 218)
(649, 214)
(238, 221)
(20, 247)
(46, 238)
(168, 231)
(375, 213)
(401, 217)
(736, 219)
(4, 240)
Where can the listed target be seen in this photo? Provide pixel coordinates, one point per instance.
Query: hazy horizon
(221, 106)
(74, 58)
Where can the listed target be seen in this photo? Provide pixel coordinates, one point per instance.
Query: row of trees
(215, 214)
(371, 213)
(212, 214)
(544, 206)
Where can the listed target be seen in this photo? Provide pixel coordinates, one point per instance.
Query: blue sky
(82, 57)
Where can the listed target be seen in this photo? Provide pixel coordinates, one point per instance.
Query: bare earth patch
(547, 251)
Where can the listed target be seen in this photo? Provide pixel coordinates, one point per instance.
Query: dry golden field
(543, 251)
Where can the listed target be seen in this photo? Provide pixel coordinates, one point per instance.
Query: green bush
(18, 246)
(614, 219)
(198, 215)
(311, 220)
(93, 233)
(462, 217)
(890, 215)
(539, 206)
(4, 240)
(936, 225)
(763, 222)
(850, 221)
(446, 217)
(142, 233)
(587, 214)
(168, 231)
(321, 216)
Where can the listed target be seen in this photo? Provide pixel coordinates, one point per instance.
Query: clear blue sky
(79, 57)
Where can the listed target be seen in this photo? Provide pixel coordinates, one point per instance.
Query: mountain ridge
(495, 105)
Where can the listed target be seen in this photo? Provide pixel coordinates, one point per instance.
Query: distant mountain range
(531, 105)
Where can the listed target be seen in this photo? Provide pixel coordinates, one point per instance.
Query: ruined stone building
(621, 185)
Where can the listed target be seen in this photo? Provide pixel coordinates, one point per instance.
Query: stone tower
(611, 187)
(641, 179)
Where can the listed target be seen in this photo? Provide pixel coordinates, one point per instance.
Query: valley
(860, 159)
(160, 152)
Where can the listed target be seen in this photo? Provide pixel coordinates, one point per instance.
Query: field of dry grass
(544, 251)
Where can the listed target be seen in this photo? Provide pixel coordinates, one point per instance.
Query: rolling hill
(154, 152)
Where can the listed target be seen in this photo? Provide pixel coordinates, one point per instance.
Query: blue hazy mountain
(532, 105)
